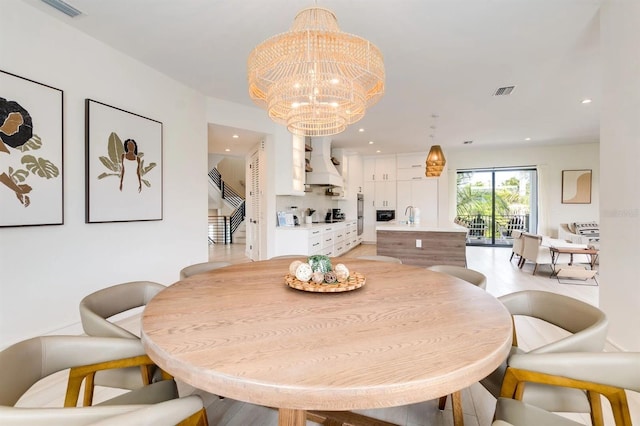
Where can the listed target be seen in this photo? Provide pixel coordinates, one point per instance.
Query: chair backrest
(469, 275)
(199, 268)
(619, 369)
(26, 362)
(531, 244)
(587, 323)
(389, 259)
(102, 304)
(518, 242)
(599, 374)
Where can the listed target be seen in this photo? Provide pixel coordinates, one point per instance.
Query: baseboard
(74, 329)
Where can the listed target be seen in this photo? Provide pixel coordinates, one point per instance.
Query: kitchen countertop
(314, 225)
(396, 226)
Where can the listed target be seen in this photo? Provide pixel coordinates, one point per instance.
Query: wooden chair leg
(596, 408)
(442, 402)
(456, 406)
(89, 386)
(534, 269)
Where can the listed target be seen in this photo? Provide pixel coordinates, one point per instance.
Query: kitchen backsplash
(315, 200)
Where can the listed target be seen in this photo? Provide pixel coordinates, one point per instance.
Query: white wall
(46, 270)
(620, 162)
(552, 160)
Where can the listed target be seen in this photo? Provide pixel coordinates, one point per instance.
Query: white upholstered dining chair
(25, 363)
(469, 275)
(585, 330)
(606, 374)
(199, 268)
(95, 311)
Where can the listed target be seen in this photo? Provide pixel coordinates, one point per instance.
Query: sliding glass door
(494, 202)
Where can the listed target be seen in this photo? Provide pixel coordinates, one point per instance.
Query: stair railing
(234, 199)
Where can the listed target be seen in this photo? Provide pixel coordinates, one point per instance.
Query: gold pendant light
(314, 78)
(435, 161)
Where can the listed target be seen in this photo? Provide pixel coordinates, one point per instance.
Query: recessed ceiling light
(227, 150)
(378, 151)
(370, 142)
(467, 142)
(235, 136)
(586, 101)
(361, 130)
(527, 139)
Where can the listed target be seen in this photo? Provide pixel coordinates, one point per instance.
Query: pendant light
(435, 159)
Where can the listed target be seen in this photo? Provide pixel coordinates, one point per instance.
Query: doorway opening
(494, 202)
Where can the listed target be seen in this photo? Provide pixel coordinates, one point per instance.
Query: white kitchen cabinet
(412, 174)
(411, 161)
(422, 194)
(411, 167)
(385, 195)
(328, 239)
(290, 178)
(355, 174)
(379, 169)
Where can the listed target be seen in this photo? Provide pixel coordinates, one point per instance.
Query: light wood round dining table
(408, 335)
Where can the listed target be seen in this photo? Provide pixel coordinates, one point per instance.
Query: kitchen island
(423, 245)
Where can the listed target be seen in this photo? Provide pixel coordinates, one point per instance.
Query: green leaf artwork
(32, 144)
(19, 175)
(115, 167)
(15, 179)
(115, 148)
(40, 166)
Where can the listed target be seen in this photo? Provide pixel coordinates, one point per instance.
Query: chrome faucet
(410, 209)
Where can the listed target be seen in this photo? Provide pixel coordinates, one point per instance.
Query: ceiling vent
(504, 91)
(63, 7)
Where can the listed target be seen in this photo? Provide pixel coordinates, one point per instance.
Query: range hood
(324, 172)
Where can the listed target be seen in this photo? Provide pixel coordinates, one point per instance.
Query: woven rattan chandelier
(314, 78)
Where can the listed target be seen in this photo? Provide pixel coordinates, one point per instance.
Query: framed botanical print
(123, 165)
(576, 186)
(31, 137)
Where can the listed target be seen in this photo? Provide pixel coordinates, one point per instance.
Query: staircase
(227, 229)
(240, 234)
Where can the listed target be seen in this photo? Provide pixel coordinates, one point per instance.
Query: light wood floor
(503, 277)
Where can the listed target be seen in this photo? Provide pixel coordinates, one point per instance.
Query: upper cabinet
(378, 169)
(411, 166)
(355, 174)
(290, 157)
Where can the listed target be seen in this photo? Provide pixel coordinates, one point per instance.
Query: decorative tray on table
(354, 281)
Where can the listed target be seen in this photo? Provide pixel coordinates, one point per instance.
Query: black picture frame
(124, 162)
(31, 152)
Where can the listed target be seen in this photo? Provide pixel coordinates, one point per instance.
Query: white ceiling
(442, 57)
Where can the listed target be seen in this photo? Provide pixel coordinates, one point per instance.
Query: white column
(620, 171)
